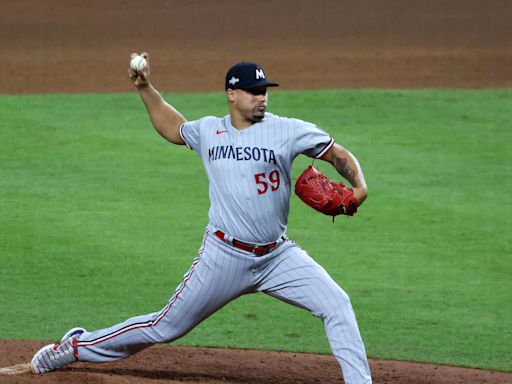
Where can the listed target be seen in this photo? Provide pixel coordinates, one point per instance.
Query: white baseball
(138, 63)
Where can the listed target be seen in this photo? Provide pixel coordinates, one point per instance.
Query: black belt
(258, 250)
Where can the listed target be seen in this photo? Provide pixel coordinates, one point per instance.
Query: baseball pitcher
(248, 157)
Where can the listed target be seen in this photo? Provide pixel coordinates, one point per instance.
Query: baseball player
(248, 157)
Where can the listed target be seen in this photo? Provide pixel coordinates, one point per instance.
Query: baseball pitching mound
(208, 365)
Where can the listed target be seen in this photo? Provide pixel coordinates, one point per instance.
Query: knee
(343, 299)
(166, 332)
(338, 304)
(339, 297)
(171, 328)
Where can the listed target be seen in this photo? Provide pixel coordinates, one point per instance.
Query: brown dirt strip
(84, 46)
(208, 365)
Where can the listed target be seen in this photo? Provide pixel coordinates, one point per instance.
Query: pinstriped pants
(221, 273)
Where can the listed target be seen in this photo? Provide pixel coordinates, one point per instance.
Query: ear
(231, 95)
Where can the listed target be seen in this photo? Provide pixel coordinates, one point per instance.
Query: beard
(258, 113)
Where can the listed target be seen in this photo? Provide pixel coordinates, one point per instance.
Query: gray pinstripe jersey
(249, 171)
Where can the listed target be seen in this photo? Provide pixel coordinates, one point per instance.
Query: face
(251, 104)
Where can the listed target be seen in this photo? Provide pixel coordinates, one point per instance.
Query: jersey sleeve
(311, 140)
(190, 133)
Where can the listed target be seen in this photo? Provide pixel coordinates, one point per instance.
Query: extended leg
(210, 283)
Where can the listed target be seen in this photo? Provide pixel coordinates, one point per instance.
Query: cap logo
(259, 74)
(233, 81)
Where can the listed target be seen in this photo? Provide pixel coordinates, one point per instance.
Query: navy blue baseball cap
(247, 75)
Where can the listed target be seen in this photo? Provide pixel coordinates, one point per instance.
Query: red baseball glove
(325, 195)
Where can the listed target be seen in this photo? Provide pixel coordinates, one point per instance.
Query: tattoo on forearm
(342, 166)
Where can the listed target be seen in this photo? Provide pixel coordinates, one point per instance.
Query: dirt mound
(207, 365)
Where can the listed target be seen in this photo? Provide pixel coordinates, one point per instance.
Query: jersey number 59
(273, 180)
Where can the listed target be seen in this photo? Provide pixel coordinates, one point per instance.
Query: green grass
(100, 218)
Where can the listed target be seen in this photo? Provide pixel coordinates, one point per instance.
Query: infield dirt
(78, 46)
